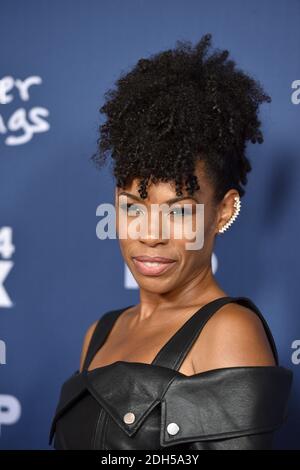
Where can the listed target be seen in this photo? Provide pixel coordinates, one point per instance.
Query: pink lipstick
(153, 266)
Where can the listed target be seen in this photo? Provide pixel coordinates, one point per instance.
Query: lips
(153, 266)
(158, 259)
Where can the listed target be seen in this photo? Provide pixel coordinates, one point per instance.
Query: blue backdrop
(56, 277)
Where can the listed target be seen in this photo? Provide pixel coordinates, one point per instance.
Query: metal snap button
(173, 428)
(129, 418)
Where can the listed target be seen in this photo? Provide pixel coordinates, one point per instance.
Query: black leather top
(226, 408)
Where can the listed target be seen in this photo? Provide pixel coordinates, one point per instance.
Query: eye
(131, 208)
(181, 211)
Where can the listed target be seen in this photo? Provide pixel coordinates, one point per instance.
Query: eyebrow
(170, 201)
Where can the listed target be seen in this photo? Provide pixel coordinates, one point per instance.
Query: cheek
(209, 222)
(124, 248)
(194, 250)
(189, 256)
(121, 223)
(186, 257)
(193, 228)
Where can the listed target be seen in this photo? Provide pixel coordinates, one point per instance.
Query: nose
(152, 232)
(152, 241)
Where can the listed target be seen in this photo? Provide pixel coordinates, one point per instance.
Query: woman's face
(186, 264)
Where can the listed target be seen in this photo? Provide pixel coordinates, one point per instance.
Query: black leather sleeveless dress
(132, 405)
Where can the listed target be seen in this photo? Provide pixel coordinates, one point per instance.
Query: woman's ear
(226, 209)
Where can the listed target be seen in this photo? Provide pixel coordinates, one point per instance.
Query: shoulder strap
(176, 349)
(101, 332)
(173, 353)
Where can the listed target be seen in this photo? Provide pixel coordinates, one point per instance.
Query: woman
(176, 129)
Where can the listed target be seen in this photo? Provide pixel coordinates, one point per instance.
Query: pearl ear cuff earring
(237, 206)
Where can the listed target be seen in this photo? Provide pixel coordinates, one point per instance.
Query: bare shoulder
(234, 336)
(86, 341)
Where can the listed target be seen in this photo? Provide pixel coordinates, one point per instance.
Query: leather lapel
(220, 403)
(227, 402)
(71, 390)
(120, 388)
(129, 387)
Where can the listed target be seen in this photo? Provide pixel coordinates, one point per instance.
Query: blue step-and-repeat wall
(57, 59)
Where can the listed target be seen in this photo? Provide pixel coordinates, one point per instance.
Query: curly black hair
(176, 107)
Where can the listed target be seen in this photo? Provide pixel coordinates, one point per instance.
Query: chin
(155, 285)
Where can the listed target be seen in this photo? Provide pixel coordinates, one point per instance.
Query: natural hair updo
(176, 107)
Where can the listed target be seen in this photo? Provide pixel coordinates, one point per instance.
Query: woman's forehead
(164, 190)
